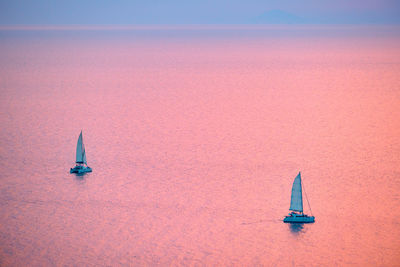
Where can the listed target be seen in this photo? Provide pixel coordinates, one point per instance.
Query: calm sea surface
(195, 137)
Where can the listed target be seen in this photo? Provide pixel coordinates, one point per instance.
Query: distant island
(278, 16)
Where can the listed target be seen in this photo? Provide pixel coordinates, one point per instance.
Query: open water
(195, 137)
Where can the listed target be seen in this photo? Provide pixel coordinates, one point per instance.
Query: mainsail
(296, 201)
(80, 151)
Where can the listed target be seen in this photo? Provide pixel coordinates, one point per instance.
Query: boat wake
(260, 221)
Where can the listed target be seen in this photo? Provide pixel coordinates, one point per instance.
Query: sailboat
(296, 205)
(81, 163)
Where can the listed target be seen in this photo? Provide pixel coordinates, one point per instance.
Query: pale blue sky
(197, 12)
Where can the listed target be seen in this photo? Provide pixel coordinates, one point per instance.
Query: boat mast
(307, 199)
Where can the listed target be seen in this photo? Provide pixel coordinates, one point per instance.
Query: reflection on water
(194, 145)
(79, 175)
(296, 228)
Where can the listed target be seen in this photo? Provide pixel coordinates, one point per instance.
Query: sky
(103, 12)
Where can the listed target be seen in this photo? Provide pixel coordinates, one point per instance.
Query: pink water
(194, 143)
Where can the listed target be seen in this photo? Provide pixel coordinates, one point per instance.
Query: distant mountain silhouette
(283, 17)
(278, 17)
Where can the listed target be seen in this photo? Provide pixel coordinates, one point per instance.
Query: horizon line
(89, 27)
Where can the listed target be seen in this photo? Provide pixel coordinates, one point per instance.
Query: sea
(195, 135)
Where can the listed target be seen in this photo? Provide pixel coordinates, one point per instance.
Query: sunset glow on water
(194, 137)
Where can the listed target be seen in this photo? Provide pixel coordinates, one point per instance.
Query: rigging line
(307, 199)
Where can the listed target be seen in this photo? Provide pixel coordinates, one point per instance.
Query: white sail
(296, 201)
(79, 150)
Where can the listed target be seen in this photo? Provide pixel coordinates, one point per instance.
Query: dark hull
(299, 219)
(80, 169)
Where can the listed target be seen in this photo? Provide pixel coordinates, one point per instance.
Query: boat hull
(80, 169)
(299, 219)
